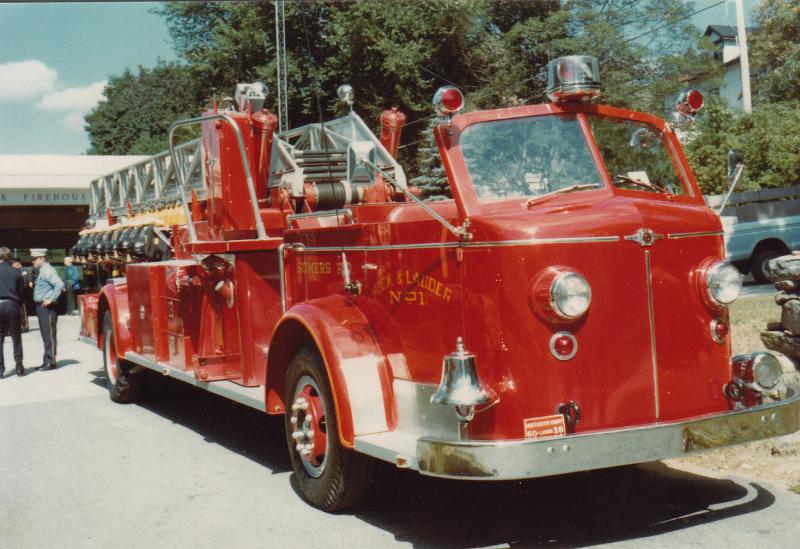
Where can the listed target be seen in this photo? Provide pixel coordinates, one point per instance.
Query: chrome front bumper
(486, 460)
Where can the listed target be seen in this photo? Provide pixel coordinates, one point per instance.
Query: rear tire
(123, 386)
(758, 265)
(329, 476)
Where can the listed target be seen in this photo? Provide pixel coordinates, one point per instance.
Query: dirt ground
(777, 460)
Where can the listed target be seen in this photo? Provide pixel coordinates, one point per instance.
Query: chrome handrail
(251, 189)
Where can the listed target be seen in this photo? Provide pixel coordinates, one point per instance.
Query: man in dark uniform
(26, 289)
(11, 287)
(46, 291)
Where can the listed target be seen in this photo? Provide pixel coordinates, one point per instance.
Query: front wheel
(123, 386)
(330, 477)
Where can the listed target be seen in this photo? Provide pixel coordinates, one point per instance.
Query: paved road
(752, 289)
(188, 469)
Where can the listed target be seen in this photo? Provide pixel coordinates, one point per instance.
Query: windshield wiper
(645, 184)
(562, 190)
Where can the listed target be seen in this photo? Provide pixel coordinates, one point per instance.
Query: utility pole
(744, 62)
(280, 62)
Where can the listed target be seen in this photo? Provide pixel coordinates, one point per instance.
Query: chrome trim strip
(674, 236)
(347, 212)
(281, 273)
(254, 397)
(652, 330)
(518, 459)
(88, 341)
(436, 245)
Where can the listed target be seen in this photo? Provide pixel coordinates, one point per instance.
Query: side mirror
(734, 159)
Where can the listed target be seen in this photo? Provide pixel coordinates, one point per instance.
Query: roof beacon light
(448, 100)
(573, 78)
(689, 102)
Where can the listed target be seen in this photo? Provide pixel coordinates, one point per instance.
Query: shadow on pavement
(247, 432)
(570, 510)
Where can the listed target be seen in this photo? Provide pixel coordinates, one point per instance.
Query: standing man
(45, 293)
(11, 286)
(26, 279)
(71, 283)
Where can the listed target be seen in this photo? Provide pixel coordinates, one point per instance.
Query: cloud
(73, 99)
(73, 122)
(22, 79)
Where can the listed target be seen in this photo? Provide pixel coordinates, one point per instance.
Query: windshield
(635, 155)
(528, 157)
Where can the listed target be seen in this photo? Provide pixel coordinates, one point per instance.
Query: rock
(790, 316)
(786, 267)
(787, 344)
(785, 285)
(788, 366)
(784, 449)
(775, 326)
(783, 297)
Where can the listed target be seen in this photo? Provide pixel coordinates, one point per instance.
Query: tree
(708, 147)
(775, 50)
(138, 109)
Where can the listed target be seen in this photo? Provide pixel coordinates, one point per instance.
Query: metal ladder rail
(251, 188)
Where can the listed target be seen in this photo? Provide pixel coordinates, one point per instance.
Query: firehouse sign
(29, 197)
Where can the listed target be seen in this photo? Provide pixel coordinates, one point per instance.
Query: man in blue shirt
(72, 284)
(45, 294)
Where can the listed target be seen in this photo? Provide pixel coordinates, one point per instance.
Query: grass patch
(749, 316)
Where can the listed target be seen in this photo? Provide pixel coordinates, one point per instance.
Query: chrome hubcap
(309, 426)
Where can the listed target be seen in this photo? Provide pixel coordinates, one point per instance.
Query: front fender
(357, 369)
(114, 298)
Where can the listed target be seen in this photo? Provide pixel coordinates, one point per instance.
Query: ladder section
(149, 184)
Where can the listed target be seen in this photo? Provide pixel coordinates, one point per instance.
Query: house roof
(724, 31)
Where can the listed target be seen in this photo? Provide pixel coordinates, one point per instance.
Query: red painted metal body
(645, 353)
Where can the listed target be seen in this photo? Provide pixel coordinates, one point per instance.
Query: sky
(55, 60)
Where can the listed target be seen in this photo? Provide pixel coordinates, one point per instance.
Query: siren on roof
(573, 78)
(255, 94)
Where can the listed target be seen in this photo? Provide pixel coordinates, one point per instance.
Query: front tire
(123, 386)
(330, 477)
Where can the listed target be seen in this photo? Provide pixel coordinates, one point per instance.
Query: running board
(254, 397)
(88, 341)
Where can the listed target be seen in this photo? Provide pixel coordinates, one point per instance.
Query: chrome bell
(460, 385)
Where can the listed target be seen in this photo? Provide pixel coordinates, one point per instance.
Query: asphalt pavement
(185, 468)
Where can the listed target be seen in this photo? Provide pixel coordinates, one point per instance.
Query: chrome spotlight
(346, 93)
(460, 385)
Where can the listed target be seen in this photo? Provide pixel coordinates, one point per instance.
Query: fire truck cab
(565, 310)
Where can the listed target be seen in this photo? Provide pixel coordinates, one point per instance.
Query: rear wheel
(330, 477)
(759, 264)
(123, 386)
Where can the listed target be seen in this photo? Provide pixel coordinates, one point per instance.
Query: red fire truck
(564, 310)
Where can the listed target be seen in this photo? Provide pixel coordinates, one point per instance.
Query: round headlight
(570, 295)
(767, 370)
(724, 283)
